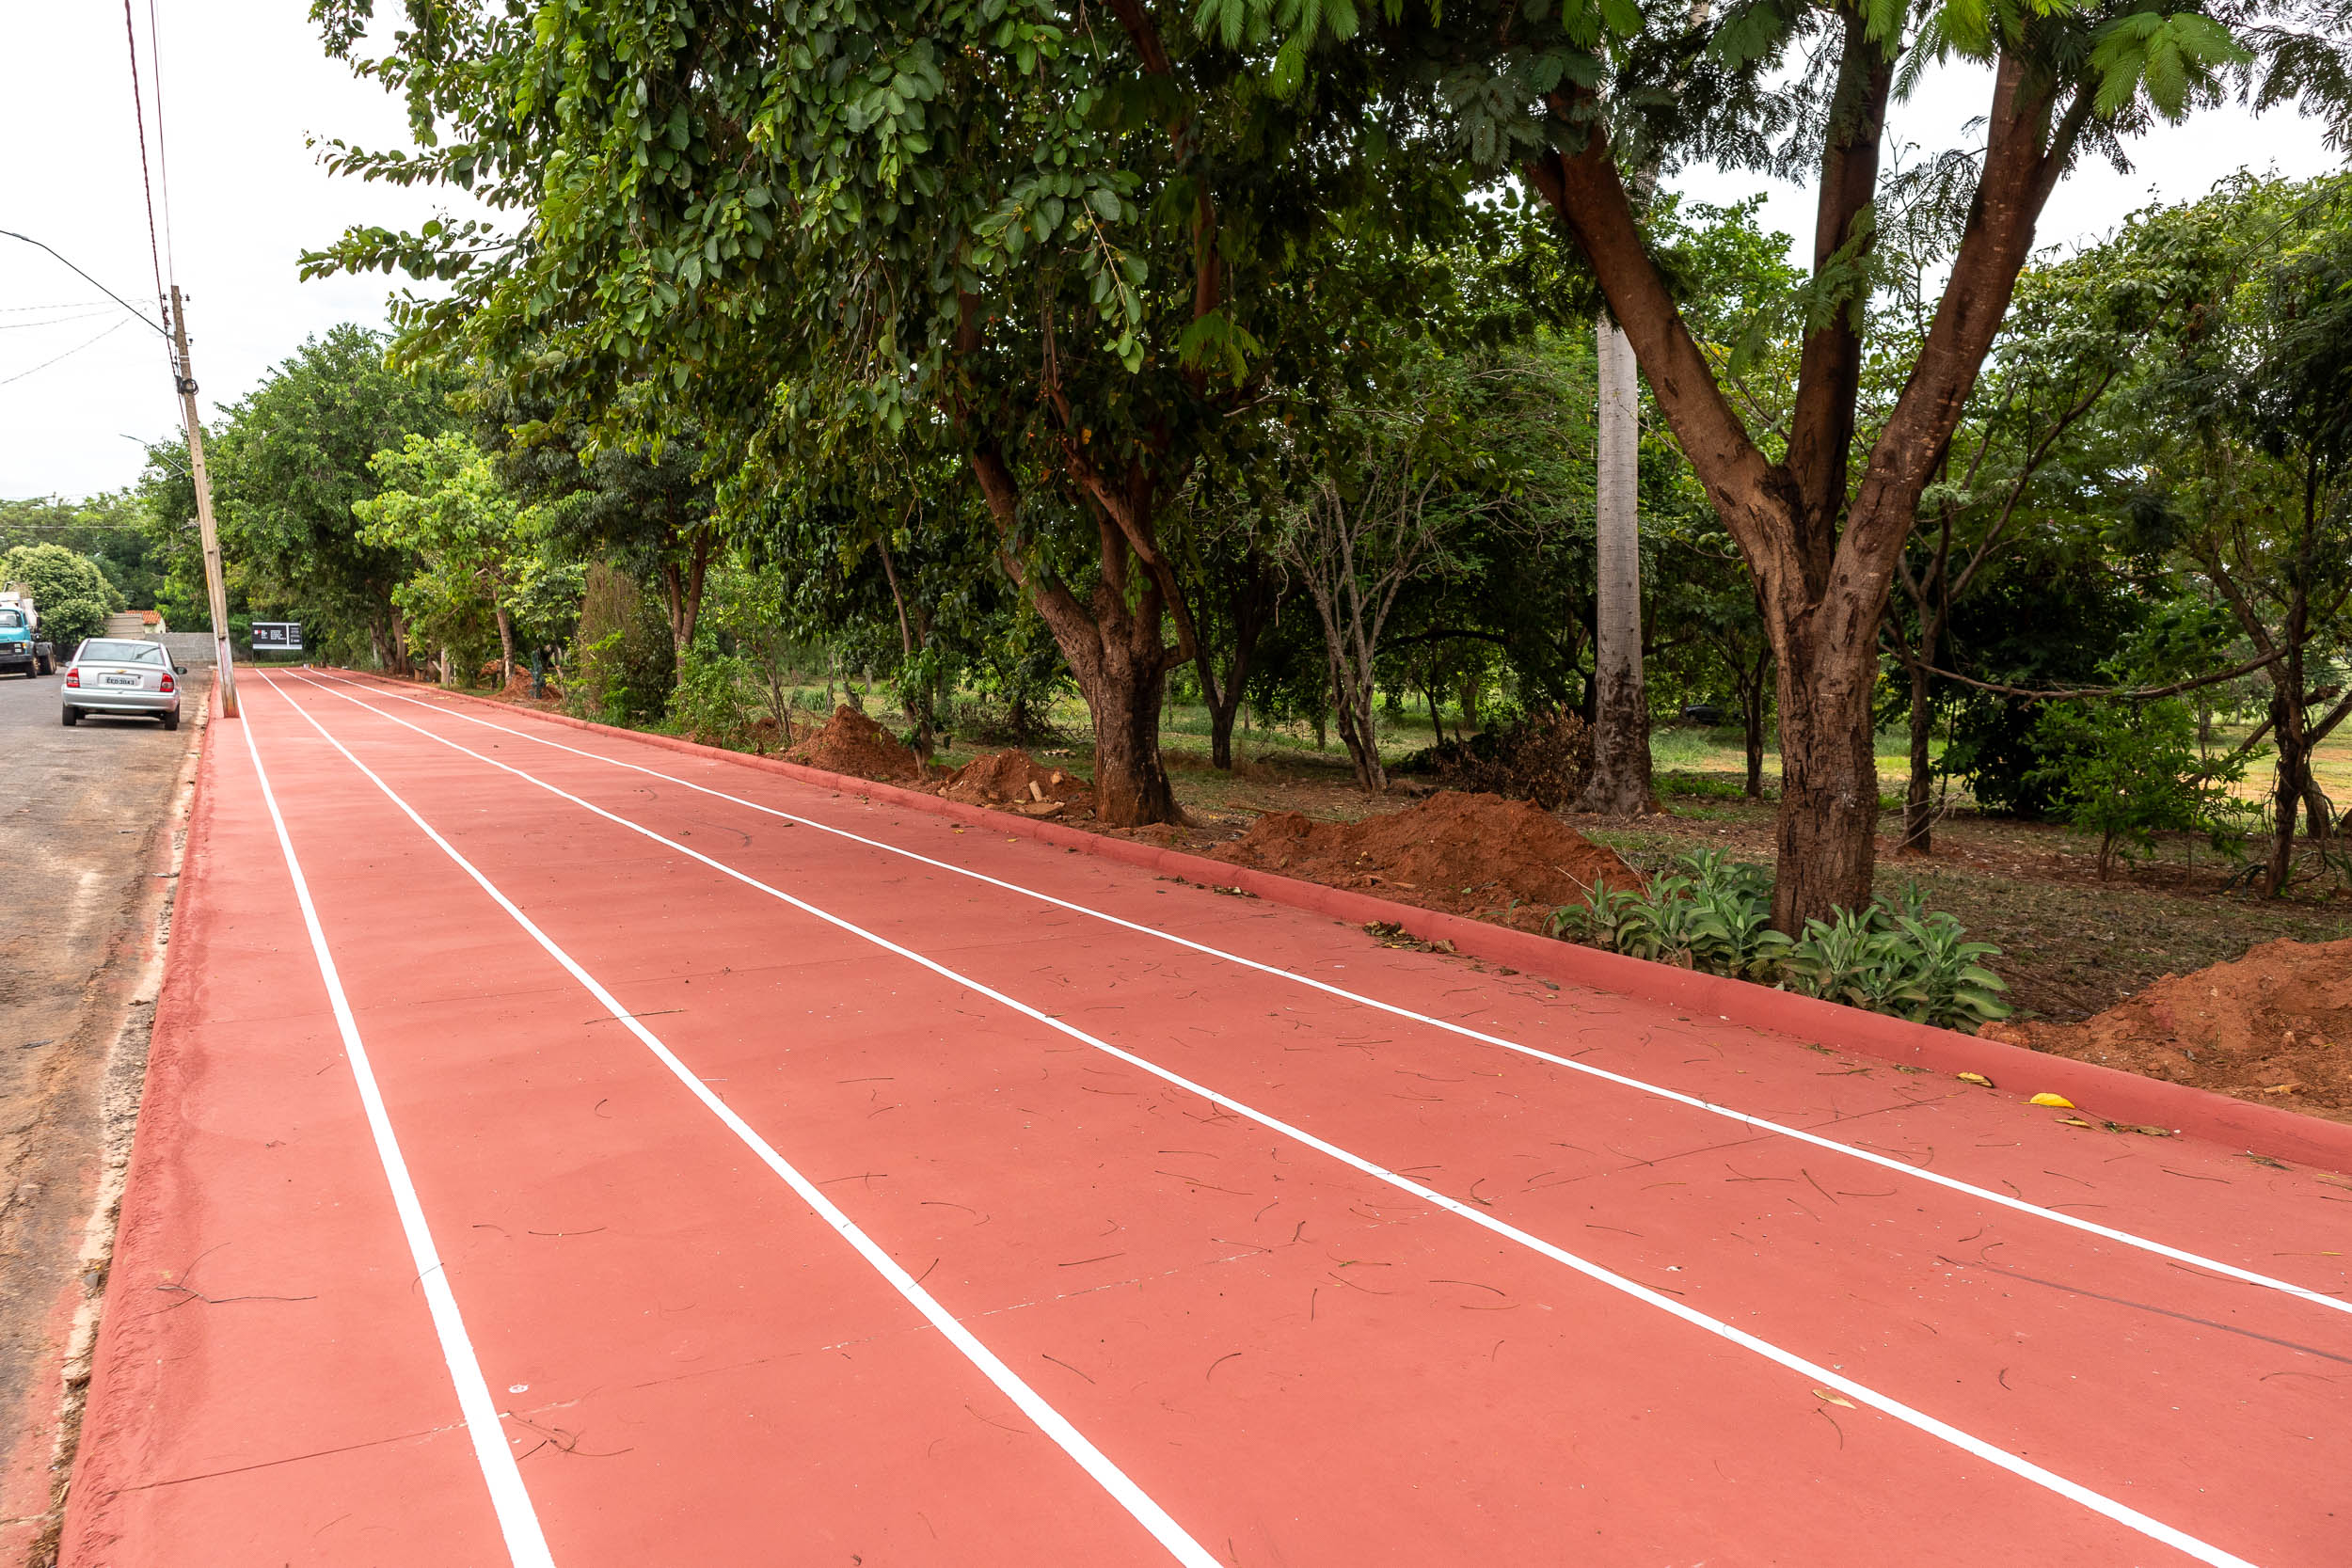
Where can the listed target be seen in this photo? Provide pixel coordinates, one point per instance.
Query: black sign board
(283, 637)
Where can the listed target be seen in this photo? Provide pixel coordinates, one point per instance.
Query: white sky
(245, 81)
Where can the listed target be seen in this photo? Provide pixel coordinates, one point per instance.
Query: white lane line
(1113, 1481)
(1821, 1376)
(517, 1521)
(1759, 1124)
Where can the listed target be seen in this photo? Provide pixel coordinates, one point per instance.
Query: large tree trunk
(1114, 648)
(1620, 781)
(1123, 694)
(1826, 832)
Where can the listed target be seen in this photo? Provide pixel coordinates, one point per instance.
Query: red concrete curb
(2107, 1094)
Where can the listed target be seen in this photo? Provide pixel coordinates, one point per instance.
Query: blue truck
(20, 648)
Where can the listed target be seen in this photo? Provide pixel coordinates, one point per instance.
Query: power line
(69, 354)
(61, 305)
(54, 320)
(138, 117)
(85, 278)
(163, 147)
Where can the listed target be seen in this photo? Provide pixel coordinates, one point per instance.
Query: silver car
(123, 677)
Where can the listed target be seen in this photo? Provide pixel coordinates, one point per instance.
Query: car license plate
(122, 680)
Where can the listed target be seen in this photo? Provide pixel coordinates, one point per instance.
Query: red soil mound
(1464, 854)
(2275, 1027)
(1011, 781)
(853, 744)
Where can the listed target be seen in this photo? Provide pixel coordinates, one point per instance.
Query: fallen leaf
(1977, 1078)
(1832, 1399)
(2072, 1121)
(2057, 1101)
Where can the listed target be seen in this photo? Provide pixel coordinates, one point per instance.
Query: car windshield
(122, 653)
(12, 618)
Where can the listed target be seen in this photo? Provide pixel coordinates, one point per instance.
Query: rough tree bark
(1823, 561)
(1620, 781)
(1113, 641)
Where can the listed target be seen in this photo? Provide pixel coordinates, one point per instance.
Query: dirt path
(87, 841)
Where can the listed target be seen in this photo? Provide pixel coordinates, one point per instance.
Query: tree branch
(2132, 694)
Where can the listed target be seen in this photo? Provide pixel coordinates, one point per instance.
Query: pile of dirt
(2275, 1027)
(853, 744)
(1464, 854)
(1013, 782)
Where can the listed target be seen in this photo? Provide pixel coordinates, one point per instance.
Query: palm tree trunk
(1620, 783)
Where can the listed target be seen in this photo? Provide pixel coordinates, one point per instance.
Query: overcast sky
(245, 82)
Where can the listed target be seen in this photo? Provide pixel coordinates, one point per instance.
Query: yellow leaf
(1977, 1078)
(2072, 1121)
(2058, 1101)
(1832, 1399)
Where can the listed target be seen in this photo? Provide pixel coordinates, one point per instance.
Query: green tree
(69, 589)
(1077, 250)
(442, 504)
(1568, 97)
(114, 529)
(288, 461)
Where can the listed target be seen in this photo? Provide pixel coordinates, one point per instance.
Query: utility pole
(214, 587)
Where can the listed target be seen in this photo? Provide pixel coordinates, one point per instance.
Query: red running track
(709, 1167)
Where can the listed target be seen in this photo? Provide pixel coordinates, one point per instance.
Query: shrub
(2125, 771)
(69, 589)
(1714, 915)
(622, 665)
(709, 704)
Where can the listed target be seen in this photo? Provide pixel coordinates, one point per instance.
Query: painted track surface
(1299, 1359)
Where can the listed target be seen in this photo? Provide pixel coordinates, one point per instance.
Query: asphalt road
(86, 824)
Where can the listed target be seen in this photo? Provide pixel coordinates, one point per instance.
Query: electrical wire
(85, 278)
(61, 305)
(163, 147)
(54, 320)
(138, 117)
(67, 354)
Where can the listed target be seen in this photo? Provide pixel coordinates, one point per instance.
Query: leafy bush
(622, 663)
(69, 590)
(1714, 915)
(709, 704)
(2126, 771)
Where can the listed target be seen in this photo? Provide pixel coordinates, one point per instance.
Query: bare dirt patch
(1506, 861)
(2275, 1027)
(853, 744)
(1013, 781)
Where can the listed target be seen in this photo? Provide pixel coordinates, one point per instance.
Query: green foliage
(1714, 915)
(2127, 771)
(69, 590)
(115, 529)
(622, 665)
(443, 506)
(1920, 968)
(709, 702)
(288, 461)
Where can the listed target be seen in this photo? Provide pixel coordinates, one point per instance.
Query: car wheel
(70, 717)
(171, 719)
